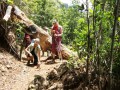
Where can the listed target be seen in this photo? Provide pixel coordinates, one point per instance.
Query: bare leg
(53, 55)
(60, 56)
(29, 59)
(47, 53)
(42, 53)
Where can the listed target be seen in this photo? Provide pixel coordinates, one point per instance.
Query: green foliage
(19, 34)
(42, 12)
(119, 19)
(10, 1)
(72, 63)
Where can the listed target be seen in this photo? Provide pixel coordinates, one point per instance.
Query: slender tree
(112, 43)
(88, 40)
(99, 42)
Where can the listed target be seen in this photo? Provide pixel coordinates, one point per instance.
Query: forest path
(16, 75)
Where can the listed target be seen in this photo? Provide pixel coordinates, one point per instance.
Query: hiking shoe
(61, 60)
(38, 66)
(28, 63)
(31, 61)
(52, 62)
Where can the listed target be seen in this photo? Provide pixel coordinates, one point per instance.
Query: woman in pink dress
(56, 33)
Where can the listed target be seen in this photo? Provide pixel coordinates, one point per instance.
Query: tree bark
(112, 43)
(99, 42)
(88, 42)
(6, 35)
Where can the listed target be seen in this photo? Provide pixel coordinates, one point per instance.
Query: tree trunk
(112, 43)
(7, 36)
(45, 38)
(99, 42)
(88, 42)
(46, 41)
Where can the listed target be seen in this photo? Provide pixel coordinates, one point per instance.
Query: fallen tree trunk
(7, 36)
(46, 41)
(45, 38)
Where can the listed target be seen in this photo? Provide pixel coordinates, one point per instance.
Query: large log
(46, 41)
(45, 38)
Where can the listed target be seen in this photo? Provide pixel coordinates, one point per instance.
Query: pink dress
(56, 40)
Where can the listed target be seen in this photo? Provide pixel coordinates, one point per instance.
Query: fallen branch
(8, 13)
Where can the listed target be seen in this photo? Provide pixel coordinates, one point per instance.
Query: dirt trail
(17, 76)
(28, 73)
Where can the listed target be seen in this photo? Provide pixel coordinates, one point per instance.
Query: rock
(53, 87)
(60, 86)
(3, 69)
(31, 87)
(52, 75)
(86, 88)
(45, 84)
(62, 69)
(3, 74)
(8, 67)
(38, 82)
(71, 80)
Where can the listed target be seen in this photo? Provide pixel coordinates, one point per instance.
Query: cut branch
(8, 13)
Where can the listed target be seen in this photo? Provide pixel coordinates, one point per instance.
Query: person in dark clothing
(27, 40)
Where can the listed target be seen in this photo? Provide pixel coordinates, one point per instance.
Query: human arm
(52, 31)
(59, 32)
(27, 50)
(38, 53)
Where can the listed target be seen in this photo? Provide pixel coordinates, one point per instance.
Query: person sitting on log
(56, 33)
(34, 52)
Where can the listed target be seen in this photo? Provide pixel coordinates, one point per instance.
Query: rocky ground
(16, 75)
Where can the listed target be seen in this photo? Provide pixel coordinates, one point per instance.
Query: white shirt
(31, 46)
